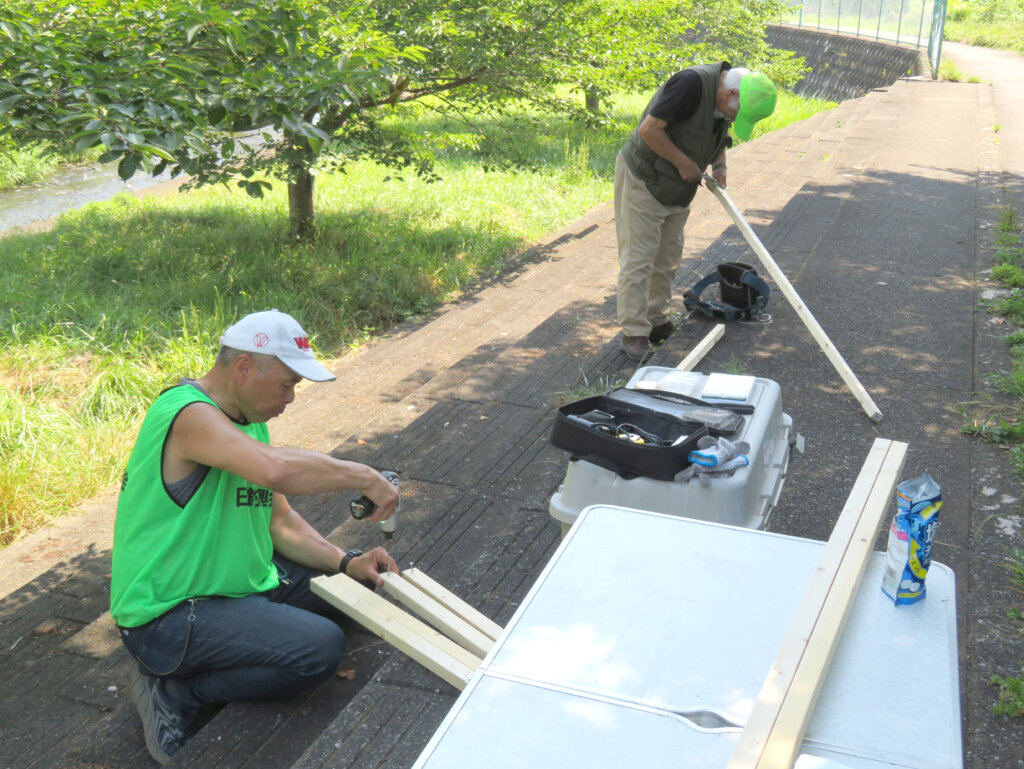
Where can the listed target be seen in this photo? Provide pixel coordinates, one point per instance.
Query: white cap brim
(308, 368)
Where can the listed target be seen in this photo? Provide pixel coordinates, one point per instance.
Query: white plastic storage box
(745, 497)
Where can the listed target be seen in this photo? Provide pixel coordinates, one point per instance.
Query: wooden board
(439, 593)
(437, 614)
(777, 724)
(703, 347)
(438, 654)
(797, 303)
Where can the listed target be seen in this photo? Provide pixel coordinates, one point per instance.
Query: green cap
(757, 101)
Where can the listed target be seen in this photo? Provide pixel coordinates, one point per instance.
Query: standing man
(211, 565)
(684, 128)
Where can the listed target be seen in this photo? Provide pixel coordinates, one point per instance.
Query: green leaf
(254, 189)
(216, 114)
(87, 141)
(11, 30)
(127, 167)
(152, 149)
(314, 131)
(10, 101)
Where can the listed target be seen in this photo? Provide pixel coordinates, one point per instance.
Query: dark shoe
(636, 347)
(661, 332)
(165, 725)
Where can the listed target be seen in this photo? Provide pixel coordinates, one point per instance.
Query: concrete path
(1005, 71)
(881, 214)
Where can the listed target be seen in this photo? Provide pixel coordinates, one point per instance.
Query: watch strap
(349, 555)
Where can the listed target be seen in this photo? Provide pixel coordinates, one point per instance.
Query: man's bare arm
(203, 435)
(296, 540)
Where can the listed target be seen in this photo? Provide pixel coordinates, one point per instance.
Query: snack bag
(910, 539)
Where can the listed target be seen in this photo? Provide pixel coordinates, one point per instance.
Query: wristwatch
(349, 555)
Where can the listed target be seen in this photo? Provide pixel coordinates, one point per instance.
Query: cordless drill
(364, 507)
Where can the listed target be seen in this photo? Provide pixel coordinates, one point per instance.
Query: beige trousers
(650, 238)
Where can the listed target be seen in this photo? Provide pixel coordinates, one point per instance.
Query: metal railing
(904, 22)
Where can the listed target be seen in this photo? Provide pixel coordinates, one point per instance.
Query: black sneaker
(165, 725)
(661, 332)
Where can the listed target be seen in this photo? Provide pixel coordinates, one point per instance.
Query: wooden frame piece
(775, 729)
(703, 347)
(438, 654)
(462, 609)
(797, 303)
(437, 614)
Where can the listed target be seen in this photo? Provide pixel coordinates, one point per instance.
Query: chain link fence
(905, 22)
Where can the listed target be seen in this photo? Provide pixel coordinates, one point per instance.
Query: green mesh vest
(697, 137)
(218, 544)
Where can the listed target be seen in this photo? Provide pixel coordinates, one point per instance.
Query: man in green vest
(683, 130)
(211, 565)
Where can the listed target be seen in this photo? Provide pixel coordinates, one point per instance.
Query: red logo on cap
(302, 342)
(260, 340)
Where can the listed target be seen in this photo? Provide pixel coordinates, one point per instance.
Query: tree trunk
(593, 101)
(300, 205)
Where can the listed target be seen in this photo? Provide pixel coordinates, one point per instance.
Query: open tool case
(635, 433)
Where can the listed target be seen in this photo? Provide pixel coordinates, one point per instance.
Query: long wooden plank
(776, 686)
(777, 724)
(797, 303)
(357, 594)
(437, 614)
(703, 346)
(796, 711)
(441, 594)
(438, 654)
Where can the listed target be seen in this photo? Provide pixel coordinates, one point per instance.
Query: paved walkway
(880, 212)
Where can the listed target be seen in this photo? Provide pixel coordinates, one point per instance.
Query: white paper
(728, 387)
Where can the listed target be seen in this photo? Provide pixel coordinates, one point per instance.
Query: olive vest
(696, 137)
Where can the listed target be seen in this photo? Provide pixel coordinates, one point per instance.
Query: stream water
(70, 188)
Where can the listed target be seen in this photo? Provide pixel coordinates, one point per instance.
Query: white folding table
(646, 640)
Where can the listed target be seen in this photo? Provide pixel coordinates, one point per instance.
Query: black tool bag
(722, 419)
(631, 435)
(744, 295)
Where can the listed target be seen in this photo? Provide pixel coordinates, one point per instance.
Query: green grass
(950, 72)
(993, 24)
(33, 162)
(789, 109)
(1011, 688)
(27, 164)
(1004, 422)
(584, 387)
(121, 298)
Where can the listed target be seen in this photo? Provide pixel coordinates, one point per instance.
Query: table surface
(650, 636)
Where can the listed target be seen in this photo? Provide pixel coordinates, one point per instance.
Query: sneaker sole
(144, 704)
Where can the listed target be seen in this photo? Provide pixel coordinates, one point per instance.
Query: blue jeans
(215, 650)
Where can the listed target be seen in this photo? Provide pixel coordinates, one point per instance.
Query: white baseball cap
(275, 333)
